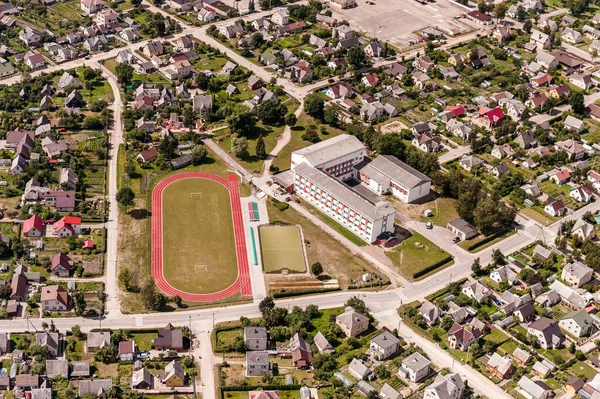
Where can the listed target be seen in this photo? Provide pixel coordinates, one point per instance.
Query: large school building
(319, 173)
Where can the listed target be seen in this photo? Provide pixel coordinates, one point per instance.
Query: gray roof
(255, 333)
(359, 368)
(94, 387)
(322, 344)
(55, 368)
(98, 339)
(390, 393)
(463, 226)
(416, 362)
(141, 376)
(325, 151)
(577, 269)
(398, 171)
(385, 340)
(80, 368)
(535, 389)
(343, 192)
(257, 357)
(446, 386)
(41, 393)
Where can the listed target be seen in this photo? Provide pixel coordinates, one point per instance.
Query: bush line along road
(382, 304)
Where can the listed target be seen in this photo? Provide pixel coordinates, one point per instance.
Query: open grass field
(416, 253)
(281, 248)
(198, 240)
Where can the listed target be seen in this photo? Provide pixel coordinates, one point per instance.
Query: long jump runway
(242, 283)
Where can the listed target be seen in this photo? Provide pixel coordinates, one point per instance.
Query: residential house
(384, 345)
(583, 81)
(533, 389)
(561, 177)
(582, 193)
(169, 338)
(573, 148)
(173, 375)
(153, 48)
(500, 366)
(578, 323)
(127, 351)
(476, 290)
(257, 363)
(540, 370)
(57, 368)
(574, 124)
(54, 299)
(50, 341)
(32, 227)
(430, 313)
(61, 265)
(97, 340)
(427, 143)
(352, 323)
(97, 388)
(555, 208)
(468, 162)
(142, 379)
(461, 338)
(503, 151)
(504, 273)
(547, 333)
(414, 367)
(301, 352)
(571, 36)
(31, 37)
(255, 338)
(323, 346)
(539, 39)
(449, 386)
(203, 104)
(521, 356)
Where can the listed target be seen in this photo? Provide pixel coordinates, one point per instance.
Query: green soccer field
(281, 248)
(198, 241)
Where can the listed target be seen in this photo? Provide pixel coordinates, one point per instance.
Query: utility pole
(192, 356)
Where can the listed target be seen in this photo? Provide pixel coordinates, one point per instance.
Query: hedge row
(285, 294)
(432, 267)
(291, 387)
(358, 287)
(485, 240)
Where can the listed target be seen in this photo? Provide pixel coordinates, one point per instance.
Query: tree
(92, 122)
(382, 372)
(130, 168)
(242, 123)
(177, 299)
(251, 6)
(167, 147)
(125, 278)
(125, 196)
(198, 154)
(261, 152)
(314, 106)
(498, 257)
(79, 303)
(316, 269)
(270, 113)
(124, 73)
(527, 26)
(239, 147)
(500, 11)
(266, 305)
(447, 323)
(330, 115)
(106, 355)
(358, 305)
(476, 267)
(391, 144)
(151, 297)
(291, 120)
(356, 57)
(257, 40)
(577, 102)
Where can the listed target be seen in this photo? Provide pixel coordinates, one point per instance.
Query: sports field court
(198, 253)
(282, 249)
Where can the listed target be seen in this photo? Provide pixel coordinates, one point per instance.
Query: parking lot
(396, 21)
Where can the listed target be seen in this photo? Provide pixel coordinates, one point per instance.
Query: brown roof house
(461, 338)
(547, 332)
(169, 338)
(352, 323)
(61, 265)
(54, 299)
(301, 352)
(127, 351)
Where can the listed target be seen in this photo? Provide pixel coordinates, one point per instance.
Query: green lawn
(582, 370)
(228, 337)
(415, 254)
(198, 237)
(541, 216)
(69, 11)
(496, 337)
(467, 243)
(143, 340)
(305, 123)
(443, 209)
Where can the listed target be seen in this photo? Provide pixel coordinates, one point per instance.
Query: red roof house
(88, 244)
(491, 117)
(32, 227)
(67, 226)
(370, 79)
(457, 110)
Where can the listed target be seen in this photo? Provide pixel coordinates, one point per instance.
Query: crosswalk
(385, 313)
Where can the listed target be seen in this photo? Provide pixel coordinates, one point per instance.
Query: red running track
(242, 284)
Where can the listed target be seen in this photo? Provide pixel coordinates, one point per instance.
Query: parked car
(456, 240)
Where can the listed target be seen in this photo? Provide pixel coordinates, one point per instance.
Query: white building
(386, 174)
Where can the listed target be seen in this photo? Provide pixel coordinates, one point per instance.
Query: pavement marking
(384, 313)
(401, 296)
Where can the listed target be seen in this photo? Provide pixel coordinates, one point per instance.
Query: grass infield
(281, 248)
(198, 240)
